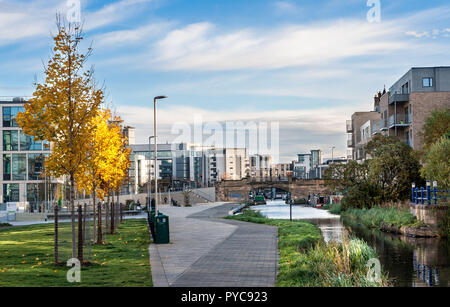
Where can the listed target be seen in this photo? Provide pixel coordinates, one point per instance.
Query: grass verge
(375, 217)
(26, 258)
(306, 261)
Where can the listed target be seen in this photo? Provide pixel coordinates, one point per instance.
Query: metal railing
(400, 120)
(428, 195)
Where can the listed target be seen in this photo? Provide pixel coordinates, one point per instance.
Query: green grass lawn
(306, 261)
(26, 258)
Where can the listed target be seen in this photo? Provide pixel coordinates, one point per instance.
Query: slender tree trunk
(99, 232)
(56, 234)
(107, 215)
(112, 216)
(84, 222)
(80, 234)
(72, 204)
(94, 218)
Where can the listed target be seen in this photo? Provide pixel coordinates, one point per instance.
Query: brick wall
(422, 106)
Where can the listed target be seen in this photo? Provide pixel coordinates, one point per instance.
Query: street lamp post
(156, 150)
(149, 185)
(332, 154)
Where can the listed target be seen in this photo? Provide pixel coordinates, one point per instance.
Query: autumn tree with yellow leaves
(108, 159)
(62, 110)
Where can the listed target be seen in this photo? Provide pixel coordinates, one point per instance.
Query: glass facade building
(23, 159)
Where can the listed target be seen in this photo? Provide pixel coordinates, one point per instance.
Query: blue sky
(306, 64)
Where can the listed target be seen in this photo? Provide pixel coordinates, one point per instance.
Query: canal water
(409, 262)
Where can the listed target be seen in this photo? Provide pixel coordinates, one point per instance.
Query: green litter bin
(162, 229)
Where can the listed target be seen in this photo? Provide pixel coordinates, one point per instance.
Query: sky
(307, 65)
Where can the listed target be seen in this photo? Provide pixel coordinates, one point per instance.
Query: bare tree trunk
(107, 216)
(84, 222)
(112, 217)
(94, 205)
(80, 234)
(72, 204)
(99, 232)
(56, 234)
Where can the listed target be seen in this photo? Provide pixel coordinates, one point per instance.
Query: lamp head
(160, 97)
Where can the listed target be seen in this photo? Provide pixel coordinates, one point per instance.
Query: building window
(427, 82)
(27, 143)
(19, 167)
(36, 166)
(35, 193)
(10, 140)
(6, 167)
(10, 116)
(10, 192)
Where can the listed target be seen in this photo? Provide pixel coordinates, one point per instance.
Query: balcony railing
(383, 124)
(350, 143)
(398, 98)
(402, 120)
(375, 129)
(349, 126)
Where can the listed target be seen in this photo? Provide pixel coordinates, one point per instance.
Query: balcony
(383, 125)
(349, 126)
(350, 141)
(398, 98)
(402, 120)
(375, 129)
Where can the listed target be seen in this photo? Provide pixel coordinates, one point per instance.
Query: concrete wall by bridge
(236, 190)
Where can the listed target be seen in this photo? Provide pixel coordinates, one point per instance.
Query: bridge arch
(236, 190)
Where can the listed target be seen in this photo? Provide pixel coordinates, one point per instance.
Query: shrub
(365, 195)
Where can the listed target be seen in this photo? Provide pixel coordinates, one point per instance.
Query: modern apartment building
(306, 165)
(407, 104)
(359, 132)
(23, 180)
(402, 110)
(260, 167)
(282, 171)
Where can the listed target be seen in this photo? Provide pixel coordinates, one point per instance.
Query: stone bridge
(235, 190)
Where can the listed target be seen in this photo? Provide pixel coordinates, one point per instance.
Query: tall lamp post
(156, 150)
(332, 154)
(149, 185)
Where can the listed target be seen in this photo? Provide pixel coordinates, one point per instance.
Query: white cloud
(418, 35)
(202, 47)
(140, 34)
(35, 19)
(112, 13)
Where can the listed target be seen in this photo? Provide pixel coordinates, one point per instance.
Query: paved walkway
(210, 252)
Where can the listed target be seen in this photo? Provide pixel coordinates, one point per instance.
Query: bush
(365, 195)
(335, 209)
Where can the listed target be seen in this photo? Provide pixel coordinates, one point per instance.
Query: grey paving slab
(206, 251)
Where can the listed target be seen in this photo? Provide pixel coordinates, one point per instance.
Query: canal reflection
(410, 262)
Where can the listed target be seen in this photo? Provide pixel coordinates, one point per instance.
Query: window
(10, 116)
(36, 166)
(27, 143)
(6, 167)
(10, 140)
(427, 82)
(35, 193)
(19, 167)
(10, 192)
